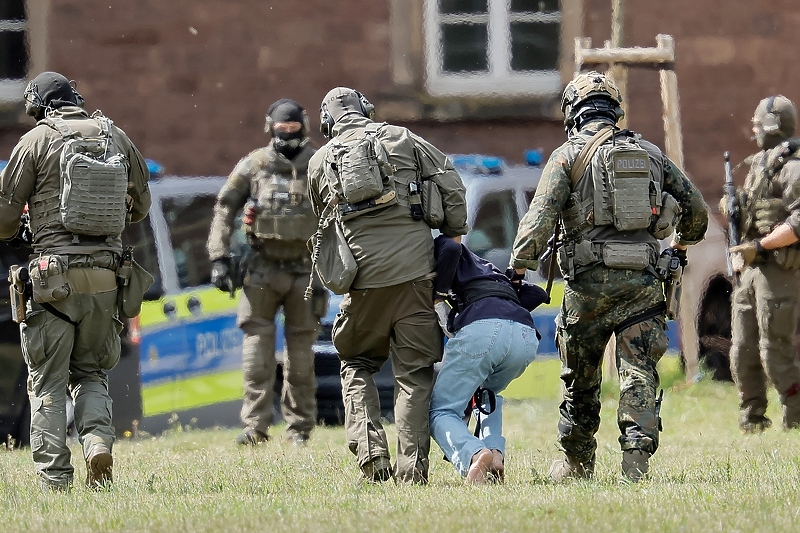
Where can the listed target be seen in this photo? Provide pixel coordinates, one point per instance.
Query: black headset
(34, 103)
(326, 121)
(771, 122)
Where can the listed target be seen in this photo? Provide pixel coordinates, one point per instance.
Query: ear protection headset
(326, 121)
(35, 105)
(771, 122)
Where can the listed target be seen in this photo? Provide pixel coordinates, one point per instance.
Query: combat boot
(754, 424)
(378, 469)
(99, 465)
(635, 465)
(571, 468)
(251, 437)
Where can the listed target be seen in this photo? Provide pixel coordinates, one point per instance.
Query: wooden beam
(662, 56)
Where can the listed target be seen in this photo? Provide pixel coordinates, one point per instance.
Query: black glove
(514, 276)
(681, 255)
(221, 274)
(24, 235)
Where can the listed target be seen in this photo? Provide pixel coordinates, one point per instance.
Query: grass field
(706, 477)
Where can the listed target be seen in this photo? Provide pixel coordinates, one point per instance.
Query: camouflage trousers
(764, 319)
(61, 355)
(370, 324)
(268, 288)
(596, 305)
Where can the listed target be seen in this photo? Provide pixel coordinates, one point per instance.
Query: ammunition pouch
(788, 258)
(664, 225)
(768, 213)
(575, 257)
(48, 274)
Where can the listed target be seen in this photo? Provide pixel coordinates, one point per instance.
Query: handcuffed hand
(743, 255)
(221, 274)
(443, 314)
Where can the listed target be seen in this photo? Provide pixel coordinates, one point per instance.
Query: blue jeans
(486, 353)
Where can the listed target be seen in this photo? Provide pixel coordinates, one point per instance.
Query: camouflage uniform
(277, 272)
(764, 312)
(599, 301)
(390, 304)
(74, 353)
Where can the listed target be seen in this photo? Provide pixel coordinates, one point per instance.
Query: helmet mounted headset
(340, 102)
(49, 91)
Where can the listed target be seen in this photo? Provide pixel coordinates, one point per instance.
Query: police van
(189, 369)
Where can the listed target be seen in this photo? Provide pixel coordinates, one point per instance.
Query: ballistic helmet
(340, 102)
(49, 90)
(590, 95)
(775, 119)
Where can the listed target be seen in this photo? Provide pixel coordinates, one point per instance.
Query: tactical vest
(93, 186)
(284, 210)
(358, 171)
(764, 190)
(613, 204)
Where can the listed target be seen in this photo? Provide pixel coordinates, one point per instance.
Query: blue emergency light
(533, 158)
(154, 167)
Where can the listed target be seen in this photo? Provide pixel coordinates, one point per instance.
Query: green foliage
(706, 477)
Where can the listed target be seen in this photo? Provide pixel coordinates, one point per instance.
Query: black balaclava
(286, 110)
(53, 90)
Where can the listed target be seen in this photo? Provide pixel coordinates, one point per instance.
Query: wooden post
(618, 72)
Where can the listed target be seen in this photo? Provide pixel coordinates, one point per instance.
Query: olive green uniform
(601, 300)
(277, 272)
(73, 353)
(764, 312)
(390, 304)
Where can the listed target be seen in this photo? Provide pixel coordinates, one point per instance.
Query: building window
(13, 50)
(498, 47)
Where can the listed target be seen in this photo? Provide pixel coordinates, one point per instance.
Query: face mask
(289, 144)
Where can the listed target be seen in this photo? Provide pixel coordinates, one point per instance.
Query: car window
(529, 194)
(189, 220)
(495, 223)
(140, 236)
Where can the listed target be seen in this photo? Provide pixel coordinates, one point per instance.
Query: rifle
(552, 245)
(732, 208)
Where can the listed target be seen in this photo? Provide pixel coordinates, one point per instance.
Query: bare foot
(498, 469)
(479, 467)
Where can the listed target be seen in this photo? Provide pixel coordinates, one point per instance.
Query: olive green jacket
(389, 246)
(34, 169)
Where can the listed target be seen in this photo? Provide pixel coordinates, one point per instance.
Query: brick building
(190, 81)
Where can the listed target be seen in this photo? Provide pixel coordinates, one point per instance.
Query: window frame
(11, 89)
(500, 79)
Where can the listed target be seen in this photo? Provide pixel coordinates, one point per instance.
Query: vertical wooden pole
(619, 72)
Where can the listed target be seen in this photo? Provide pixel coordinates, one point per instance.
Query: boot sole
(100, 471)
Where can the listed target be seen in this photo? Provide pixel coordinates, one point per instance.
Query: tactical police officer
(70, 334)
(270, 184)
(616, 195)
(764, 312)
(389, 305)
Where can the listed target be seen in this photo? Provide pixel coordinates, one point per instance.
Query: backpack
(94, 181)
(359, 165)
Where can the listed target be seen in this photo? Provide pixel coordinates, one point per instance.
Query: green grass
(706, 477)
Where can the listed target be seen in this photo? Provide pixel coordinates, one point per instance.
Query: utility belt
(351, 210)
(576, 257)
(485, 288)
(54, 277)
